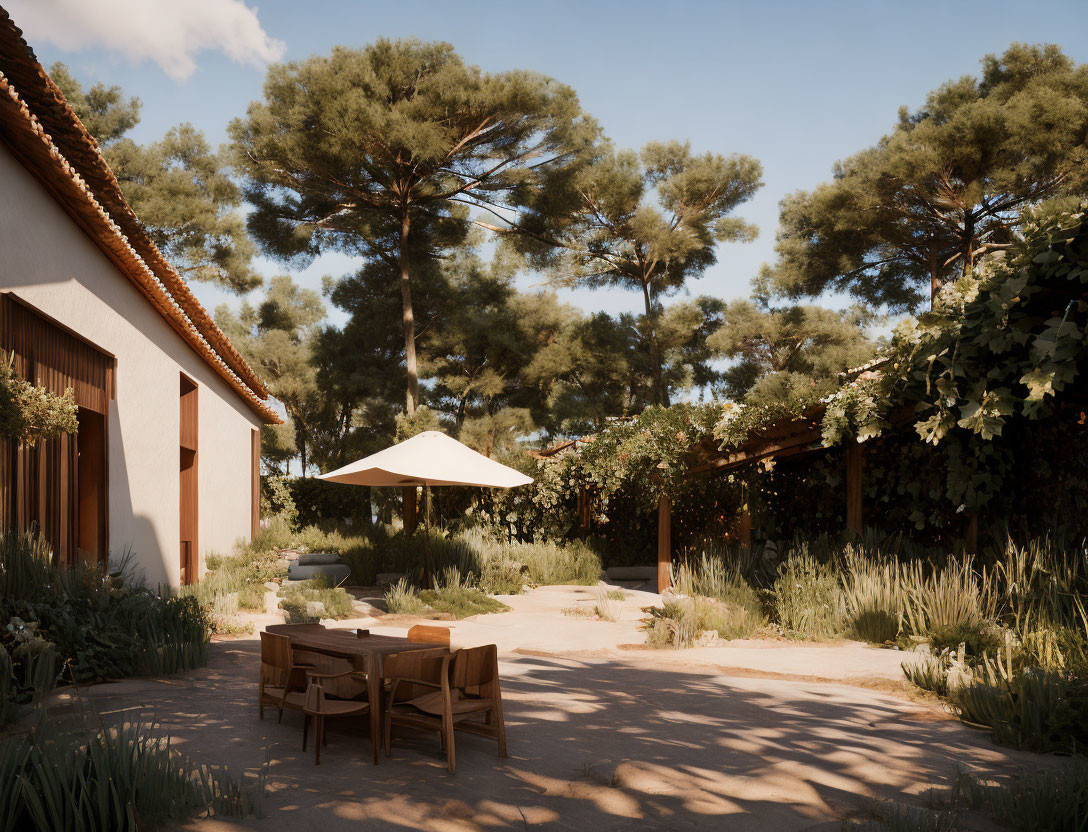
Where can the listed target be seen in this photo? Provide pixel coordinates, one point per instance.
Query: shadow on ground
(594, 745)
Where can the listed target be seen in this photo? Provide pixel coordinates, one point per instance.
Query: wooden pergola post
(970, 534)
(664, 543)
(854, 468)
(409, 509)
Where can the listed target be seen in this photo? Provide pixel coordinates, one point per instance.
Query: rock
(336, 573)
(708, 638)
(315, 609)
(317, 558)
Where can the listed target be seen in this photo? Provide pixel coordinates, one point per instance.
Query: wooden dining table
(366, 653)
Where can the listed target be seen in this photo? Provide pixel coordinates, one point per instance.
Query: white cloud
(168, 32)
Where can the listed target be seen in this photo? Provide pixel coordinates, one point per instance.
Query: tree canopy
(946, 185)
(387, 151)
(181, 190)
(277, 338)
(622, 239)
(779, 350)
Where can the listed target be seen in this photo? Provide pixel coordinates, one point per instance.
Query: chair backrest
(421, 666)
(474, 667)
(429, 635)
(276, 650)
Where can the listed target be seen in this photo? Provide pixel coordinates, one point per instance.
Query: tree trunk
(934, 279)
(968, 241)
(661, 395)
(300, 442)
(412, 398)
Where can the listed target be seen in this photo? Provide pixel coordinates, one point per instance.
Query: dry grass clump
(452, 596)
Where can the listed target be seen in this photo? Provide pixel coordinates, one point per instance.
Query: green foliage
(808, 599)
(1046, 800)
(981, 375)
(781, 352)
(453, 596)
(978, 639)
(177, 186)
(622, 239)
(318, 502)
(887, 816)
(251, 598)
(643, 457)
(403, 122)
(874, 595)
(311, 601)
(403, 599)
(929, 672)
(79, 624)
(1053, 799)
(102, 779)
(277, 339)
(709, 595)
(948, 183)
(998, 346)
(29, 412)
(678, 623)
(953, 597)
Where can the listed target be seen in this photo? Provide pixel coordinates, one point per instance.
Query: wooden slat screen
(50, 356)
(38, 485)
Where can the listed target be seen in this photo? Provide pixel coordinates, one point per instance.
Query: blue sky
(796, 84)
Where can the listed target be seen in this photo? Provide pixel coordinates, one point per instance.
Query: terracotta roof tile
(67, 159)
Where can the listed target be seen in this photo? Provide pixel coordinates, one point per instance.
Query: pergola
(787, 438)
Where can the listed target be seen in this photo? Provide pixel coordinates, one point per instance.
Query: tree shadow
(594, 745)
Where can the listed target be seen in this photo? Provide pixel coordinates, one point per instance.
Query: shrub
(403, 599)
(1048, 800)
(678, 623)
(1023, 709)
(807, 598)
(545, 563)
(929, 672)
(500, 576)
(251, 597)
(101, 780)
(81, 624)
(671, 625)
(977, 639)
(873, 595)
(313, 600)
(452, 595)
(953, 596)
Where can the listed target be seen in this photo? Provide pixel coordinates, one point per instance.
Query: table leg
(374, 694)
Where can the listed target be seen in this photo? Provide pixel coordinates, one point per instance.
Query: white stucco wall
(48, 261)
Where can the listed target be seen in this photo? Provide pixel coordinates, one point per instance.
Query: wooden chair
(345, 688)
(429, 635)
(453, 704)
(315, 706)
(280, 674)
